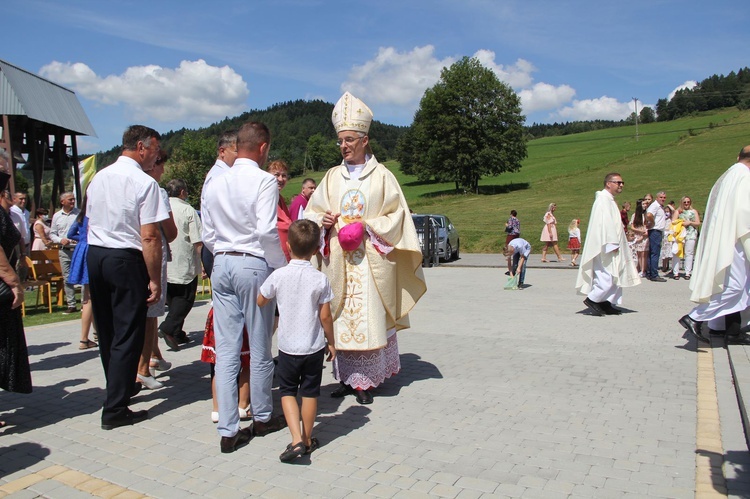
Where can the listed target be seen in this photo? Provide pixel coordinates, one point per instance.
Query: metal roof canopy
(33, 109)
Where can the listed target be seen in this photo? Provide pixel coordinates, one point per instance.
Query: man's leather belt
(236, 253)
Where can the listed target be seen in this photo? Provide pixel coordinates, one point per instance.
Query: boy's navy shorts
(300, 373)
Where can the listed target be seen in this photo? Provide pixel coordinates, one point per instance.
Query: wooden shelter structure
(37, 116)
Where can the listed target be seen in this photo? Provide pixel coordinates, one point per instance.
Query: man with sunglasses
(606, 262)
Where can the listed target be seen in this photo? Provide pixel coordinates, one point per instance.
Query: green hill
(681, 157)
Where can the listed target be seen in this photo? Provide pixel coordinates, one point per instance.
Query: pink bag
(351, 235)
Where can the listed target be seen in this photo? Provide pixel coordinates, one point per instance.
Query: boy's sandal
(292, 452)
(85, 345)
(314, 444)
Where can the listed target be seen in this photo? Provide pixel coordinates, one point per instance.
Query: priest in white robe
(606, 262)
(371, 256)
(721, 279)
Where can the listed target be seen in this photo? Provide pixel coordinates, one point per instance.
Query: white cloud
(543, 96)
(394, 77)
(517, 76)
(687, 84)
(603, 108)
(194, 91)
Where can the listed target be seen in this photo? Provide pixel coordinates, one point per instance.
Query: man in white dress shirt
(656, 221)
(61, 223)
(226, 155)
(721, 279)
(239, 229)
(124, 263)
(19, 206)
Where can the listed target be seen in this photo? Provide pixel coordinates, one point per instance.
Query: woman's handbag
(6, 293)
(508, 229)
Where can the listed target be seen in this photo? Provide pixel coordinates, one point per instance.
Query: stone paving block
(469, 494)
(21, 483)
(45, 487)
(532, 482)
(476, 484)
(509, 490)
(626, 486)
(354, 485)
(25, 494)
(411, 494)
(678, 493)
(544, 494)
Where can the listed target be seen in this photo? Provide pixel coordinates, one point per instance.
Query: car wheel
(458, 249)
(448, 252)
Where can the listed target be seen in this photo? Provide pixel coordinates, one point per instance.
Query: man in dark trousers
(124, 263)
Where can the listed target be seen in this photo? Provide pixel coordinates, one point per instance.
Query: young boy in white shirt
(305, 333)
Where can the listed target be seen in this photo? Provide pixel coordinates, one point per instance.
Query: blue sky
(171, 64)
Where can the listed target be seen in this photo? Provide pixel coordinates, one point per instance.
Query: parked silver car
(448, 244)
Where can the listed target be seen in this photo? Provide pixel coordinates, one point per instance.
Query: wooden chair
(43, 288)
(205, 283)
(47, 265)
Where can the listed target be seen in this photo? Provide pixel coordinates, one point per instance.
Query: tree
(469, 125)
(647, 115)
(322, 152)
(190, 162)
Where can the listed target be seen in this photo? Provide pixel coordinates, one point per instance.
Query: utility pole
(635, 102)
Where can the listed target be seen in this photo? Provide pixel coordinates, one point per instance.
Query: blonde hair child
(574, 240)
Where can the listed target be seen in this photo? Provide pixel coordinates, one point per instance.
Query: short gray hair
(66, 194)
(175, 187)
(228, 138)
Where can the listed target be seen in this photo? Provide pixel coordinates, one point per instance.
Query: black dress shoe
(131, 418)
(276, 423)
(693, 327)
(737, 339)
(610, 309)
(342, 391)
(182, 338)
(137, 387)
(364, 397)
(231, 444)
(595, 309)
(657, 279)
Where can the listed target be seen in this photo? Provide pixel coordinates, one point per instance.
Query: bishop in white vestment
(376, 270)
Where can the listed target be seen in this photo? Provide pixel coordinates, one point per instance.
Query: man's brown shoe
(231, 444)
(276, 423)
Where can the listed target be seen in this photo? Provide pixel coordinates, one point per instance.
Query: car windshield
(440, 221)
(418, 222)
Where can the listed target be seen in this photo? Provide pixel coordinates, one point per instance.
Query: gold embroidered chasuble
(373, 290)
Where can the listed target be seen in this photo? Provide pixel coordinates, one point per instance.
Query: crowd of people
(334, 275)
(659, 236)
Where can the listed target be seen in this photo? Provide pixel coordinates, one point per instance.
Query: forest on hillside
(301, 134)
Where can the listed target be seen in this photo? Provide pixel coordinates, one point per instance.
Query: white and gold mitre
(350, 113)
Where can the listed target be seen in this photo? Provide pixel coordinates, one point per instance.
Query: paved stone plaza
(501, 393)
